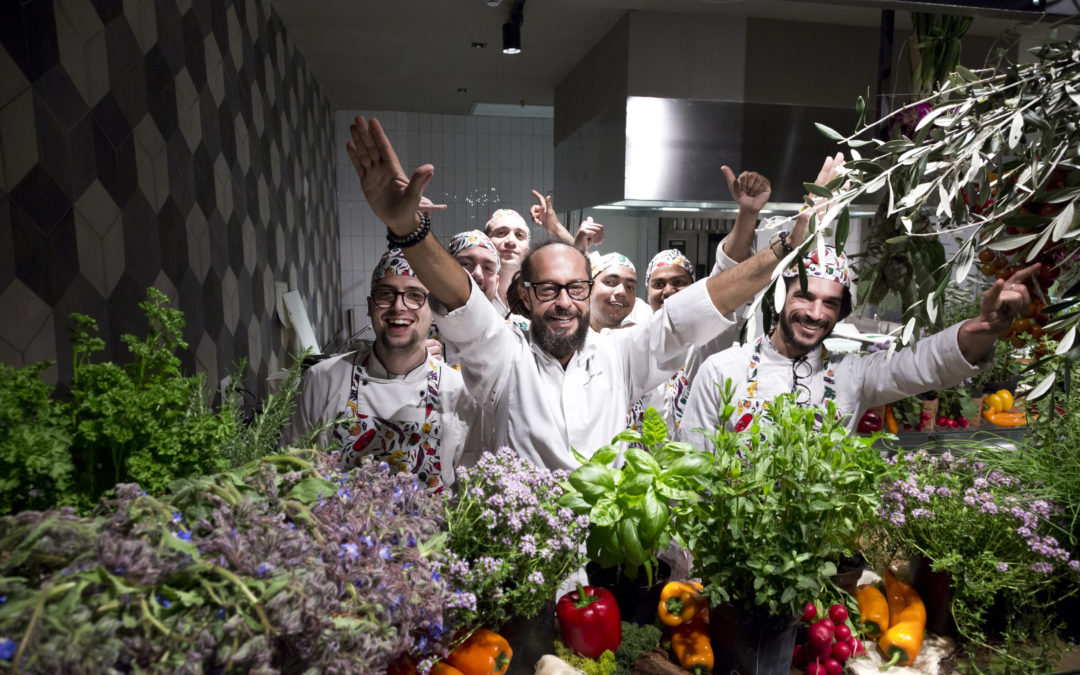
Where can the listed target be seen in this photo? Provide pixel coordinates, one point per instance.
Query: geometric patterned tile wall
(176, 143)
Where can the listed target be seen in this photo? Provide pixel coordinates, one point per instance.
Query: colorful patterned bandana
(505, 213)
(601, 263)
(834, 267)
(672, 256)
(392, 262)
(470, 238)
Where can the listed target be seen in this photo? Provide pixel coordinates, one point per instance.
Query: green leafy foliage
(36, 471)
(786, 500)
(966, 161)
(629, 506)
(143, 422)
(635, 640)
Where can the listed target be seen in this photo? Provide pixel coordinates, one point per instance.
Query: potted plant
(959, 518)
(509, 546)
(784, 501)
(628, 496)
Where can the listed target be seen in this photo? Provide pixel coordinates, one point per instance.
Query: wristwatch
(779, 245)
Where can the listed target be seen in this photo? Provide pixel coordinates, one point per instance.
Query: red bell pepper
(870, 422)
(589, 621)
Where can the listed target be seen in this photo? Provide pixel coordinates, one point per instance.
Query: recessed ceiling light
(463, 90)
(479, 45)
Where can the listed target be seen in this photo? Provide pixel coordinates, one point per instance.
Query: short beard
(415, 341)
(789, 335)
(557, 345)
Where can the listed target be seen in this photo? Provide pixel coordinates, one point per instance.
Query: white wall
(481, 164)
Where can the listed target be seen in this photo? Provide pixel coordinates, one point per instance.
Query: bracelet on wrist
(414, 237)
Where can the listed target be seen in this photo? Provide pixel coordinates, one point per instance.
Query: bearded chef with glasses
(559, 385)
(399, 405)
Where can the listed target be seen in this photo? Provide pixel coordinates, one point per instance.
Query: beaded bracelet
(414, 237)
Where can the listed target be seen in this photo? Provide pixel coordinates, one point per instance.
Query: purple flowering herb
(1002, 567)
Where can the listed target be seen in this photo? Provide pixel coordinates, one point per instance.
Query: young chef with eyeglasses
(403, 406)
(559, 385)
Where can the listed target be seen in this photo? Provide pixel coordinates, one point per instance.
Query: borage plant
(983, 527)
(509, 545)
(285, 566)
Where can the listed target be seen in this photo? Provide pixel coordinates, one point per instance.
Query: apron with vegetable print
(406, 446)
(752, 405)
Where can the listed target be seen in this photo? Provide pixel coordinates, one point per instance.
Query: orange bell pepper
(485, 652)
(681, 602)
(873, 610)
(890, 420)
(692, 646)
(907, 623)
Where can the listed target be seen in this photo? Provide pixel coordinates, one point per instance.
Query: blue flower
(410, 541)
(163, 601)
(352, 549)
(177, 516)
(344, 493)
(184, 534)
(384, 553)
(407, 566)
(221, 613)
(7, 649)
(264, 568)
(435, 576)
(3, 599)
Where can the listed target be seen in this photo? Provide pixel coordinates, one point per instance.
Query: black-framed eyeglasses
(801, 370)
(546, 291)
(386, 297)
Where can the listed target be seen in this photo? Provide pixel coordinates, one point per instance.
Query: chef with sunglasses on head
(400, 405)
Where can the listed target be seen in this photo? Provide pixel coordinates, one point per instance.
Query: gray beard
(559, 346)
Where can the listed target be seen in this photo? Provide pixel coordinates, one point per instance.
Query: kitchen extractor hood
(660, 153)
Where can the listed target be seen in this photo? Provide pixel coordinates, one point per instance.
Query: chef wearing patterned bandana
(792, 359)
(403, 406)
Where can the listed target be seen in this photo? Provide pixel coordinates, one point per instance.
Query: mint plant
(783, 502)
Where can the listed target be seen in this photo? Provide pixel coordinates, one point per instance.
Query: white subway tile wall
(481, 164)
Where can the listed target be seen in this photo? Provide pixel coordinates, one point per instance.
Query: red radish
(798, 658)
(820, 635)
(810, 613)
(942, 421)
(857, 647)
(842, 632)
(963, 422)
(841, 651)
(833, 667)
(838, 614)
(815, 654)
(816, 668)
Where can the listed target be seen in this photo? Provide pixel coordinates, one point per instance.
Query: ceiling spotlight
(479, 45)
(463, 90)
(511, 38)
(512, 28)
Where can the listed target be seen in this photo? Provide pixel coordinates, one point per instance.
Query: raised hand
(829, 169)
(589, 234)
(394, 197)
(750, 190)
(543, 213)
(1003, 302)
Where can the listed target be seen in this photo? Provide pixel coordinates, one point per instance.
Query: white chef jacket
(397, 399)
(541, 410)
(861, 382)
(670, 397)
